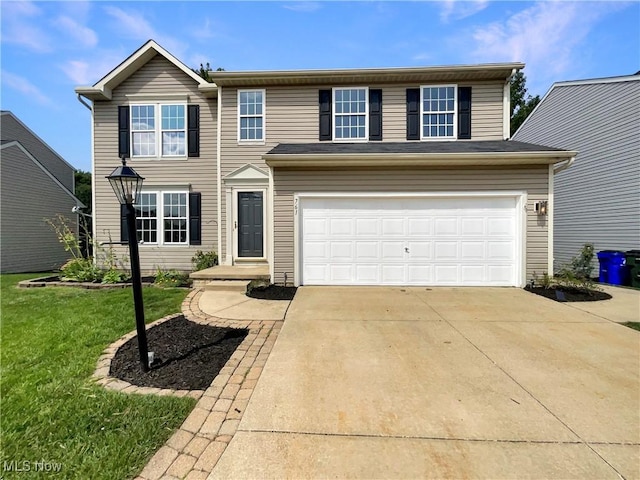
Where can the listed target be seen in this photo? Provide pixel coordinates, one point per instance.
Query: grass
(634, 325)
(50, 409)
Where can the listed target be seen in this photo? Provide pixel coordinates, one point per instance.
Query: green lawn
(634, 325)
(50, 409)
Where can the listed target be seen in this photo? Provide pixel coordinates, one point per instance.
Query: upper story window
(168, 136)
(438, 111)
(251, 115)
(350, 114)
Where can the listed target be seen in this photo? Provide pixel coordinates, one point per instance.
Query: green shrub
(114, 276)
(202, 260)
(80, 270)
(568, 279)
(582, 266)
(170, 278)
(545, 281)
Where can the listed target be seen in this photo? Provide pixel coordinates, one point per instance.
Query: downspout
(219, 177)
(93, 171)
(506, 102)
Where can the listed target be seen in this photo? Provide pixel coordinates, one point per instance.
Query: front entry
(250, 225)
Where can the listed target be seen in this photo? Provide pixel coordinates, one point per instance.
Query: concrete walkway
(443, 383)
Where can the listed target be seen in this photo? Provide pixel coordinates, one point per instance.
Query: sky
(49, 48)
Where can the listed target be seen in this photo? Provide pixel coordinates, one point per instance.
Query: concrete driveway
(441, 383)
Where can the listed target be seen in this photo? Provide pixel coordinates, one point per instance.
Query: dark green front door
(250, 224)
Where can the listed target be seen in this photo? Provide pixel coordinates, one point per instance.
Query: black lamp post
(126, 183)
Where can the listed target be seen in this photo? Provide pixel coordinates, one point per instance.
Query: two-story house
(390, 176)
(36, 185)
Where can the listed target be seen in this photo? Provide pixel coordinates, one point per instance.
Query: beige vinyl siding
(533, 180)
(486, 111)
(198, 174)
(291, 116)
(11, 129)
(28, 197)
(597, 200)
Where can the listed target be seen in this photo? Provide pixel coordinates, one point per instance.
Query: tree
(83, 188)
(522, 104)
(204, 72)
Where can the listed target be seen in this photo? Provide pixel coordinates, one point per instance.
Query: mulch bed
(272, 292)
(569, 294)
(55, 280)
(188, 355)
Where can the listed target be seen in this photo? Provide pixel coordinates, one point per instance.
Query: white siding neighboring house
(36, 184)
(597, 200)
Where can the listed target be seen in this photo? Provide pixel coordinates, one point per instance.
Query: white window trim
(160, 218)
(157, 109)
(251, 141)
(455, 113)
(333, 115)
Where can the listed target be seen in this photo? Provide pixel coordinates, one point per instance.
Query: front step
(230, 273)
(227, 286)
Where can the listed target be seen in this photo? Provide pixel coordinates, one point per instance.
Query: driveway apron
(441, 383)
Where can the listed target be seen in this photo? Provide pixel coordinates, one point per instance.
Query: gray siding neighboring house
(597, 200)
(31, 193)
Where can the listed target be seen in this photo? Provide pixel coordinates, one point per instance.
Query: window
(162, 217)
(167, 136)
(251, 115)
(351, 108)
(438, 111)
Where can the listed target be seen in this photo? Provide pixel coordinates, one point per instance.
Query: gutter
(563, 166)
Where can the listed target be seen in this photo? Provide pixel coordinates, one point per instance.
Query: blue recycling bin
(612, 267)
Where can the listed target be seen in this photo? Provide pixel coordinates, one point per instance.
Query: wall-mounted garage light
(540, 207)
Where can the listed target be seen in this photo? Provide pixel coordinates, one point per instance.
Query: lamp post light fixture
(127, 184)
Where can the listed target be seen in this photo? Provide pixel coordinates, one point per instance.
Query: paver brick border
(195, 448)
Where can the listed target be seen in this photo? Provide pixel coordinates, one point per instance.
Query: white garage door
(409, 241)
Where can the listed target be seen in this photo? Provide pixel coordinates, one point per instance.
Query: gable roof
(579, 83)
(102, 90)
(16, 143)
(5, 137)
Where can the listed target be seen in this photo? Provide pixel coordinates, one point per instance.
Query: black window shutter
(195, 218)
(124, 232)
(375, 114)
(123, 131)
(325, 115)
(193, 130)
(464, 113)
(413, 114)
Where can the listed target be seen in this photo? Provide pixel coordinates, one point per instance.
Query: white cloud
(20, 26)
(78, 71)
(304, 6)
(22, 85)
(134, 25)
(457, 10)
(84, 35)
(546, 36)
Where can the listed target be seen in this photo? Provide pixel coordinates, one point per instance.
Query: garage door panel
(341, 226)
(409, 241)
(367, 250)
(393, 227)
(420, 250)
(367, 226)
(393, 274)
(472, 226)
(342, 251)
(472, 250)
(446, 226)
